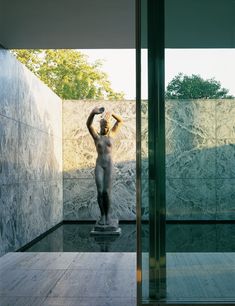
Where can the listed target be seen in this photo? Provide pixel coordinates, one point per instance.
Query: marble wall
(200, 160)
(30, 155)
(79, 155)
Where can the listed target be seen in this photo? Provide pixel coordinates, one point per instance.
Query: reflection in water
(179, 238)
(77, 238)
(105, 242)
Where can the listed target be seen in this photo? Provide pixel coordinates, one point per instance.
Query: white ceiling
(92, 24)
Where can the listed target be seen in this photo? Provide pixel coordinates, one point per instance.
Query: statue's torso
(104, 149)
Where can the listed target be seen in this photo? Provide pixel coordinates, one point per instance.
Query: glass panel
(144, 174)
(186, 244)
(200, 144)
(142, 152)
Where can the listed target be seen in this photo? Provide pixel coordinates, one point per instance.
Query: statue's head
(105, 124)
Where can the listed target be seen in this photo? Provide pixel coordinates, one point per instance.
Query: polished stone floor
(196, 277)
(109, 279)
(66, 279)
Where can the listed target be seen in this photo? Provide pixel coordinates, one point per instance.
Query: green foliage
(68, 73)
(195, 87)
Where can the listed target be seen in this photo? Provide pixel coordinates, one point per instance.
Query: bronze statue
(104, 164)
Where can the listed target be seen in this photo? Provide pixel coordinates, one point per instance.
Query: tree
(68, 73)
(195, 87)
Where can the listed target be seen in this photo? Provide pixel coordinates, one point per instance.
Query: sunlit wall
(30, 155)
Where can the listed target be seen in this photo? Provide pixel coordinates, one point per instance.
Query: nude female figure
(104, 164)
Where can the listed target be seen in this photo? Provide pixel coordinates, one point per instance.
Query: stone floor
(81, 279)
(196, 277)
(109, 279)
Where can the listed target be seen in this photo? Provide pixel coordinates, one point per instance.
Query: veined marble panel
(80, 199)
(56, 201)
(33, 149)
(40, 208)
(225, 199)
(8, 208)
(193, 158)
(54, 164)
(125, 170)
(225, 112)
(124, 199)
(190, 139)
(225, 158)
(9, 85)
(40, 155)
(191, 199)
(8, 151)
(195, 116)
(76, 112)
(39, 106)
(28, 154)
(79, 157)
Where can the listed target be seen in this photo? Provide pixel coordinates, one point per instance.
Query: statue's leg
(99, 178)
(107, 193)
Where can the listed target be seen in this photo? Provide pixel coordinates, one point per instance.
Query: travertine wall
(200, 160)
(30, 155)
(79, 155)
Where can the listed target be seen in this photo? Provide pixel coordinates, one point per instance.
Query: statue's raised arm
(116, 125)
(95, 111)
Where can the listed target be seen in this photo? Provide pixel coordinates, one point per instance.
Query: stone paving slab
(94, 279)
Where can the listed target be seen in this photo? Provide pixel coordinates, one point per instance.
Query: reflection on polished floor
(197, 277)
(201, 276)
(84, 279)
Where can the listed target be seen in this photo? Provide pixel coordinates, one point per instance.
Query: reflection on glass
(200, 150)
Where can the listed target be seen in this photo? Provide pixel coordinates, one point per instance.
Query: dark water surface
(179, 238)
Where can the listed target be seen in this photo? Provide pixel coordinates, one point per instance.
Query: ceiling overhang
(94, 24)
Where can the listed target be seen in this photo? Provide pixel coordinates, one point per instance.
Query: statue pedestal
(106, 230)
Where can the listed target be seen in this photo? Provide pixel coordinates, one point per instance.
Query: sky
(119, 64)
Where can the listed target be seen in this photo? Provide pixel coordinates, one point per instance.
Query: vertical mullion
(157, 274)
(138, 150)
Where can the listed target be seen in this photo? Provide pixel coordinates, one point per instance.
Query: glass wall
(186, 141)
